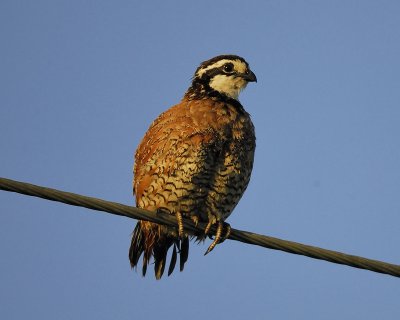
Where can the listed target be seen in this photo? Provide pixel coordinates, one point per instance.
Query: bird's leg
(180, 224)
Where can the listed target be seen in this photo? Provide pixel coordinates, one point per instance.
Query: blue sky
(80, 82)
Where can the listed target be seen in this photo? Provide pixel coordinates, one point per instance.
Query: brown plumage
(194, 161)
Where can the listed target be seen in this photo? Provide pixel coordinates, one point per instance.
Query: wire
(170, 220)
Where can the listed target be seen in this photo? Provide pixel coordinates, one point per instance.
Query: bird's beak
(249, 76)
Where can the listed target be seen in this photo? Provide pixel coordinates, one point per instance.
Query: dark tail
(153, 240)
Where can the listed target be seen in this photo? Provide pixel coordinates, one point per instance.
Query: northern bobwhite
(194, 161)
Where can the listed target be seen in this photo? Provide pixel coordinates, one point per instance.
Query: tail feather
(152, 240)
(160, 251)
(137, 245)
(184, 253)
(144, 269)
(173, 261)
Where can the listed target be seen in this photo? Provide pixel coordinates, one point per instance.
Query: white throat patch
(228, 85)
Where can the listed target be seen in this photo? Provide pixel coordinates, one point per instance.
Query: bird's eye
(228, 67)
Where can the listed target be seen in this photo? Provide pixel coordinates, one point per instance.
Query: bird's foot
(223, 232)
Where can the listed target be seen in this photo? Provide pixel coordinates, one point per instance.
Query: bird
(194, 162)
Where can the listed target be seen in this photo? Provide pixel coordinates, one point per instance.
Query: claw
(227, 233)
(216, 238)
(195, 219)
(207, 229)
(219, 238)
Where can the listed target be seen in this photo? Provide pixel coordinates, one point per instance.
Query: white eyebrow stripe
(239, 66)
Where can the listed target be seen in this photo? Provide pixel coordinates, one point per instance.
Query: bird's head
(226, 74)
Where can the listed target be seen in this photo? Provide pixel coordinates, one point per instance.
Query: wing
(175, 162)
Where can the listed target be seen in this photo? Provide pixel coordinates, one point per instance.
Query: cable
(163, 218)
